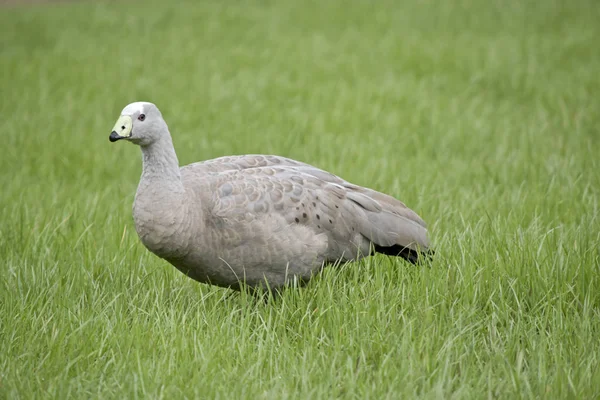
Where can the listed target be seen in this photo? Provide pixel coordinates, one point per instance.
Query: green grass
(484, 117)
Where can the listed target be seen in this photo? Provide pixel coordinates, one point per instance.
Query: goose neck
(159, 162)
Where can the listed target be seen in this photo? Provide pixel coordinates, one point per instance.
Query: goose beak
(114, 136)
(122, 129)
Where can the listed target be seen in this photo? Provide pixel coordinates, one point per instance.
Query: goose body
(256, 219)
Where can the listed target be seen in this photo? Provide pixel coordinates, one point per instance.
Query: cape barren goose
(262, 220)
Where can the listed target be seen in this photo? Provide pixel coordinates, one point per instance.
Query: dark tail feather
(409, 255)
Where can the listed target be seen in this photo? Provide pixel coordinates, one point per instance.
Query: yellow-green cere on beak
(122, 128)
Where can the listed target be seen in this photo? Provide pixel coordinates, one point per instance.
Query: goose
(257, 221)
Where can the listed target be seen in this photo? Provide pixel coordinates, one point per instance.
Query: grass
(482, 116)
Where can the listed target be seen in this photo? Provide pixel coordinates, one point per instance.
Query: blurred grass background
(482, 116)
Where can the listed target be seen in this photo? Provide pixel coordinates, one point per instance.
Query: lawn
(483, 116)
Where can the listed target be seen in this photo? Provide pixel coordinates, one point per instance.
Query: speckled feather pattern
(259, 218)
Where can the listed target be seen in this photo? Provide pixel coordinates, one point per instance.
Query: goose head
(140, 123)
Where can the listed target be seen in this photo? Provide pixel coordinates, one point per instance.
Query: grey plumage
(256, 218)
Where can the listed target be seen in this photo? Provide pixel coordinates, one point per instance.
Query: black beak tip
(114, 136)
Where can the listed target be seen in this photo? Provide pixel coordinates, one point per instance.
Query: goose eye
(142, 117)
